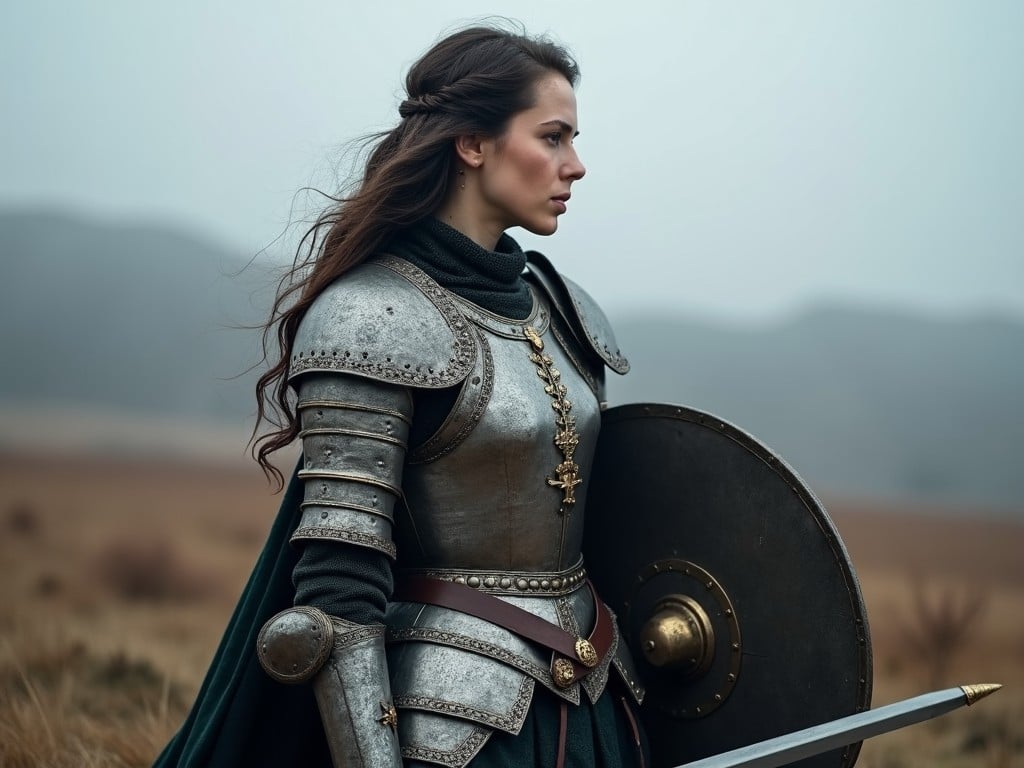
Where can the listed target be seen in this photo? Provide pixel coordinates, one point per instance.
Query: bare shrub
(48, 585)
(148, 570)
(939, 625)
(23, 519)
(993, 738)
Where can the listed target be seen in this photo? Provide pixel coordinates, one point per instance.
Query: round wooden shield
(731, 585)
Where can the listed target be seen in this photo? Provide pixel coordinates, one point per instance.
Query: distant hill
(865, 403)
(146, 319)
(860, 402)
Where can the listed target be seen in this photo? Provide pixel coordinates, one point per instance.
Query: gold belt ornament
(566, 438)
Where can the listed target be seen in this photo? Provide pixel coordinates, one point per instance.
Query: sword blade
(846, 730)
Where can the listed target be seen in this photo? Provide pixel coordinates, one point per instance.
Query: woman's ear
(470, 149)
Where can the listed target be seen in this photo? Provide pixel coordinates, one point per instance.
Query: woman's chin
(543, 228)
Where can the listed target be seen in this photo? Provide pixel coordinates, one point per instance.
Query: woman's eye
(554, 138)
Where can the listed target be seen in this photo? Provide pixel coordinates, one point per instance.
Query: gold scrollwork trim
(345, 635)
(510, 722)
(483, 648)
(566, 437)
(597, 678)
(350, 537)
(441, 442)
(457, 757)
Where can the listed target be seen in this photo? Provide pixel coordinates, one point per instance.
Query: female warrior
(446, 387)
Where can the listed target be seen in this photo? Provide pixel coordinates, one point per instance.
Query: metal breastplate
(477, 493)
(482, 508)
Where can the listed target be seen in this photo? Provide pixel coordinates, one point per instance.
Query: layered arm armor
(354, 435)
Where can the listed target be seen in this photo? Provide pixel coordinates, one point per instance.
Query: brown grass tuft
(62, 705)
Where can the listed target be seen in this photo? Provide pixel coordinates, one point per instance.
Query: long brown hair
(471, 82)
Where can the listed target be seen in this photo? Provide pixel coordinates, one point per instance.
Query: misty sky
(744, 159)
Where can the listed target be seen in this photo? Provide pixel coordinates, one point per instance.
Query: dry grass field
(119, 577)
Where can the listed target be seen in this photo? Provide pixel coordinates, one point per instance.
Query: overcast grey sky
(745, 158)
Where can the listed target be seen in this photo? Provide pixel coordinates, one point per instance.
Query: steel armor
(494, 501)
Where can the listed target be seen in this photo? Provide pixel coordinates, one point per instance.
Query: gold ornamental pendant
(567, 473)
(562, 673)
(389, 716)
(586, 652)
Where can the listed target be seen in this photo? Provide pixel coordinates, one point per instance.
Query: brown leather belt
(574, 657)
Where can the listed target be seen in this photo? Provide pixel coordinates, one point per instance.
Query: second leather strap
(574, 656)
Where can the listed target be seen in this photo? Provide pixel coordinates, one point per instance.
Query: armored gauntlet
(346, 664)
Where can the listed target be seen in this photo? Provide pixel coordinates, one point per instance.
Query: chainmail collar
(490, 279)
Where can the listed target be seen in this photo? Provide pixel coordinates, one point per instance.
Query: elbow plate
(295, 644)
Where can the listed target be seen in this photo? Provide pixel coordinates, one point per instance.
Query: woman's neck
(491, 279)
(460, 213)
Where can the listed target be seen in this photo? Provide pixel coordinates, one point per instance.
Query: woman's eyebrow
(564, 126)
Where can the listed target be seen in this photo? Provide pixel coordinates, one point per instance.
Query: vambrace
(354, 435)
(347, 666)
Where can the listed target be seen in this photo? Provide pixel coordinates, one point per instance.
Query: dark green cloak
(242, 717)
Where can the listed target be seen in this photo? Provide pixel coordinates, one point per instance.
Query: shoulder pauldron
(386, 320)
(579, 310)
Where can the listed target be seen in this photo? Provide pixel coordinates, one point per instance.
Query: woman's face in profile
(526, 173)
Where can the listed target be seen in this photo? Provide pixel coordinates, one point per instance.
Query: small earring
(462, 178)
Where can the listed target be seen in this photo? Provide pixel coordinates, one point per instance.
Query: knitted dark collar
(490, 279)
